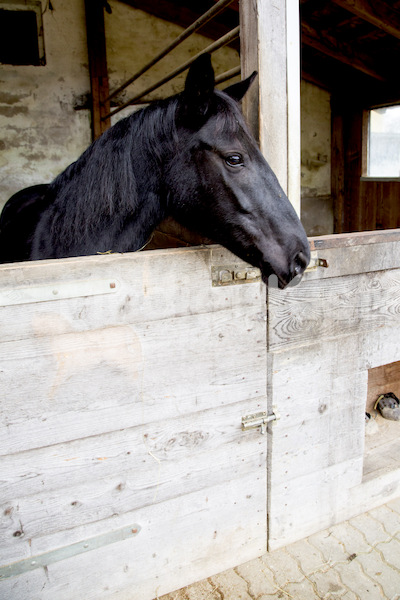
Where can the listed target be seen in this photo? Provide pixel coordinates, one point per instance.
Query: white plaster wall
(130, 47)
(316, 201)
(40, 131)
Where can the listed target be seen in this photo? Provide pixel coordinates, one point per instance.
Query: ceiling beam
(340, 51)
(377, 12)
(184, 14)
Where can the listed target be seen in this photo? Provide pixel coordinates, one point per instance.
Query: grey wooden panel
(125, 407)
(325, 308)
(324, 335)
(352, 257)
(308, 504)
(178, 537)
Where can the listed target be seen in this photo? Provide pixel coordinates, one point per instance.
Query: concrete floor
(355, 560)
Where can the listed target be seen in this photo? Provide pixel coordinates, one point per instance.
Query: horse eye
(234, 160)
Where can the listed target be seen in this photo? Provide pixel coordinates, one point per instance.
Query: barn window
(383, 149)
(21, 33)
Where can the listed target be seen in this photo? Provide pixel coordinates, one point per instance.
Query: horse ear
(238, 90)
(199, 89)
(200, 81)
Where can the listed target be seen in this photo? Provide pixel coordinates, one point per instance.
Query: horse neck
(120, 179)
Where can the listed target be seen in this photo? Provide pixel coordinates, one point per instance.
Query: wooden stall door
(325, 337)
(125, 473)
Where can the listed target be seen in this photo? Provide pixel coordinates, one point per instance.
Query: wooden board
(124, 469)
(324, 338)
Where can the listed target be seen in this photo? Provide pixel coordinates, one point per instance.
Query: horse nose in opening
(300, 263)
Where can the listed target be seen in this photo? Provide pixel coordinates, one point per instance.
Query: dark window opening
(21, 37)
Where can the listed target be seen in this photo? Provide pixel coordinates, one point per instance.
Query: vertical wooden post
(293, 76)
(338, 167)
(96, 42)
(270, 44)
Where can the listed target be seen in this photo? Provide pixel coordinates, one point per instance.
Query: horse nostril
(300, 263)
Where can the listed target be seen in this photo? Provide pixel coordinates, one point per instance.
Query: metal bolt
(240, 275)
(225, 276)
(252, 274)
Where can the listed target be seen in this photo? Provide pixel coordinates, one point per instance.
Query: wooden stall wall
(360, 203)
(324, 337)
(124, 469)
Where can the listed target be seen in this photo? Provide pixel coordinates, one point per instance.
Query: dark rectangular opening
(19, 39)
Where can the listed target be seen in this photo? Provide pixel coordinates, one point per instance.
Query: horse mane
(104, 181)
(121, 174)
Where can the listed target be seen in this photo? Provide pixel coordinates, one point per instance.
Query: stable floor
(355, 560)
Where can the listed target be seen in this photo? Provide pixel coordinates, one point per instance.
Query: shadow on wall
(316, 213)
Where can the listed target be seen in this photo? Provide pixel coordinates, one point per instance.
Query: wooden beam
(338, 167)
(377, 12)
(184, 14)
(249, 62)
(340, 51)
(96, 42)
(265, 47)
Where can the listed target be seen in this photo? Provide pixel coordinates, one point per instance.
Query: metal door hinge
(234, 274)
(260, 419)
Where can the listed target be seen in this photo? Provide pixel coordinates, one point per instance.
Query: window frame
(28, 6)
(366, 146)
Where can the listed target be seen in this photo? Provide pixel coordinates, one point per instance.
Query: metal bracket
(59, 290)
(260, 419)
(48, 558)
(317, 262)
(234, 275)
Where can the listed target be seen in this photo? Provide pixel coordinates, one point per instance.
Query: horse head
(221, 186)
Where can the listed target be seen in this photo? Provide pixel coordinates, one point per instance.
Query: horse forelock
(228, 117)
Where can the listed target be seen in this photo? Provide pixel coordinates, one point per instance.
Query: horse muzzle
(275, 277)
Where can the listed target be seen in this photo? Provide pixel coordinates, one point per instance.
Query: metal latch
(234, 274)
(260, 419)
(317, 262)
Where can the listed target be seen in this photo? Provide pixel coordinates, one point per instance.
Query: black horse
(190, 157)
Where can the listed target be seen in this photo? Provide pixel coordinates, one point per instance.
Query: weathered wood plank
(310, 503)
(316, 444)
(333, 307)
(96, 42)
(353, 260)
(65, 345)
(126, 408)
(63, 487)
(324, 336)
(310, 380)
(336, 503)
(337, 166)
(357, 238)
(57, 399)
(145, 450)
(139, 296)
(182, 535)
(293, 74)
(267, 107)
